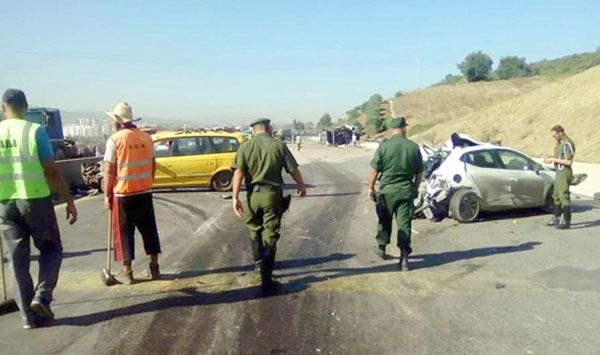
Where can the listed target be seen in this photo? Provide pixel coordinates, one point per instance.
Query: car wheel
(222, 181)
(464, 206)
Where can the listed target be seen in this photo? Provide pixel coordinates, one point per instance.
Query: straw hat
(122, 113)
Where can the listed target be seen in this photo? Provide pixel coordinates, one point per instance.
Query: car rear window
(482, 159)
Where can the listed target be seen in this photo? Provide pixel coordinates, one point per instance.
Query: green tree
(353, 115)
(513, 67)
(476, 66)
(298, 126)
(375, 123)
(325, 121)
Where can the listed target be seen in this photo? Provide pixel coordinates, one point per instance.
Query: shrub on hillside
(476, 66)
(449, 79)
(513, 67)
(398, 94)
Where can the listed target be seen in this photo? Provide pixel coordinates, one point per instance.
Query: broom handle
(109, 241)
(3, 277)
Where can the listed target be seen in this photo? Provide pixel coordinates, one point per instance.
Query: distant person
(27, 171)
(260, 162)
(128, 177)
(398, 166)
(564, 152)
(354, 137)
(298, 142)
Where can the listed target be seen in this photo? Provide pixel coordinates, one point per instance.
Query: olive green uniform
(262, 159)
(398, 160)
(565, 149)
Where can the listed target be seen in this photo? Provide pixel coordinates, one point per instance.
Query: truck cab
(50, 119)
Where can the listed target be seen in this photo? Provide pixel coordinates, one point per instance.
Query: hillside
(568, 65)
(524, 121)
(439, 104)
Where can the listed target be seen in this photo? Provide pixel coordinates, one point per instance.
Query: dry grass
(523, 121)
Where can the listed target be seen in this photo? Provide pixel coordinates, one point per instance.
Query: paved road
(504, 285)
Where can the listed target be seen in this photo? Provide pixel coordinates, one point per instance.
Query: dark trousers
(20, 222)
(129, 213)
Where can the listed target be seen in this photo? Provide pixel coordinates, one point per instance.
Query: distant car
(195, 159)
(467, 177)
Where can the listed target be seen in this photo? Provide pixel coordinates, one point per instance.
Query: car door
(225, 149)
(486, 172)
(192, 161)
(164, 176)
(527, 186)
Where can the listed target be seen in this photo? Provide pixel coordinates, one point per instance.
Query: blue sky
(225, 62)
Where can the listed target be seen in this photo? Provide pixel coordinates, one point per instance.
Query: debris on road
(500, 285)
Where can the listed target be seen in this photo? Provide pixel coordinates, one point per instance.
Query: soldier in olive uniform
(260, 162)
(399, 167)
(563, 162)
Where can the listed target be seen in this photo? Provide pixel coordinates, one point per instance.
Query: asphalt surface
(503, 285)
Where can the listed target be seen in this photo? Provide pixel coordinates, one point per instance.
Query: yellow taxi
(195, 158)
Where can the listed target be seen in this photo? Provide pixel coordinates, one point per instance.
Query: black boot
(404, 264)
(380, 251)
(565, 223)
(257, 250)
(267, 282)
(554, 220)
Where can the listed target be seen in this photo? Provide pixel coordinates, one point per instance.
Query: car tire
(464, 206)
(222, 181)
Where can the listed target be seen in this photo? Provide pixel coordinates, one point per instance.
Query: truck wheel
(222, 181)
(464, 206)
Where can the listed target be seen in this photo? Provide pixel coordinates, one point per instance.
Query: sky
(226, 62)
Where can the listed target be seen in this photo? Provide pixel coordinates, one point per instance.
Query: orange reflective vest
(134, 153)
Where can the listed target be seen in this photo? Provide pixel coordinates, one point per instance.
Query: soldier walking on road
(259, 162)
(564, 153)
(128, 178)
(399, 166)
(27, 171)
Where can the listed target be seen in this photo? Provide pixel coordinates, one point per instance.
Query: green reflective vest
(21, 173)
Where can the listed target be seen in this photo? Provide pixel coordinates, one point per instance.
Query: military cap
(263, 121)
(398, 122)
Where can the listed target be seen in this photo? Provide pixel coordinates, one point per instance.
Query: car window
(482, 159)
(225, 144)
(162, 148)
(514, 161)
(192, 146)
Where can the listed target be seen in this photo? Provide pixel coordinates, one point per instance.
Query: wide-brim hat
(122, 113)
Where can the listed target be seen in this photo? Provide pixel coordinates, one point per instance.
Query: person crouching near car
(128, 177)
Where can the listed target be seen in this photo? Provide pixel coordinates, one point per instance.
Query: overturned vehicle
(465, 177)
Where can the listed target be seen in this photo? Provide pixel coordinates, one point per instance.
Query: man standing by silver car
(563, 162)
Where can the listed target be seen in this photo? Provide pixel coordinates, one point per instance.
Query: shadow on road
(189, 297)
(588, 224)
(279, 265)
(73, 254)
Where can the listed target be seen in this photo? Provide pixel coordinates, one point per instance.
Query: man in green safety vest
(27, 171)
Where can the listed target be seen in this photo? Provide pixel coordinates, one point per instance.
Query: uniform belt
(263, 188)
